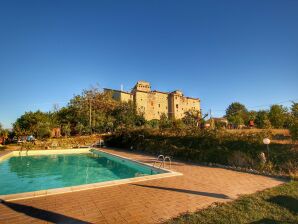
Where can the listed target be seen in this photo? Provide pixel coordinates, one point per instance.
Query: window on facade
(151, 103)
(177, 106)
(158, 105)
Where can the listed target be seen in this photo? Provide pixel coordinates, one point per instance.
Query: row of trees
(91, 112)
(4, 133)
(95, 111)
(277, 116)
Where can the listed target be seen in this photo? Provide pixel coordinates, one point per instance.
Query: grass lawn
(275, 205)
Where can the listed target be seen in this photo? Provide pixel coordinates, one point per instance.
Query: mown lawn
(275, 205)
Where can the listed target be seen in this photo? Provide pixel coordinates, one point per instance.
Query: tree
(191, 118)
(177, 126)
(277, 116)
(3, 133)
(153, 123)
(126, 116)
(66, 130)
(262, 120)
(33, 123)
(69, 115)
(293, 121)
(294, 109)
(164, 122)
(252, 115)
(43, 130)
(237, 114)
(110, 124)
(79, 128)
(91, 109)
(294, 129)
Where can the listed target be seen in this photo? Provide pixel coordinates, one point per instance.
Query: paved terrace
(2, 153)
(151, 201)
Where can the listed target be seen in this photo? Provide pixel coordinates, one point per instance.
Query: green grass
(275, 205)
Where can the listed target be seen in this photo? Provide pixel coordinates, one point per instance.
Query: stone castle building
(154, 103)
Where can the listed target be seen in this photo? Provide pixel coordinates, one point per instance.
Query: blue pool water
(32, 173)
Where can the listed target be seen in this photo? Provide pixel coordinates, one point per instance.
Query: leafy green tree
(126, 116)
(252, 115)
(79, 128)
(262, 120)
(3, 133)
(277, 116)
(43, 131)
(153, 123)
(237, 114)
(110, 124)
(191, 118)
(66, 130)
(178, 126)
(165, 122)
(292, 121)
(294, 129)
(32, 123)
(91, 109)
(294, 110)
(99, 122)
(69, 115)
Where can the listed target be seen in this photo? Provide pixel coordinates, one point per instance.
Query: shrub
(238, 158)
(210, 146)
(294, 129)
(43, 131)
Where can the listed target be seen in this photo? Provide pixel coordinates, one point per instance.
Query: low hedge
(211, 146)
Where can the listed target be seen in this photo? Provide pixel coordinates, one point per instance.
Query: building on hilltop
(155, 103)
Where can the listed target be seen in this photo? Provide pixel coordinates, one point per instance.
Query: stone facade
(155, 103)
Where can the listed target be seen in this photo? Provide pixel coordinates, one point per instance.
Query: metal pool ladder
(21, 150)
(161, 159)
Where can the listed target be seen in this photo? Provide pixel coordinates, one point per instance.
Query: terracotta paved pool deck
(152, 201)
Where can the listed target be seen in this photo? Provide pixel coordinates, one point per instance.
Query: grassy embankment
(272, 206)
(230, 148)
(57, 143)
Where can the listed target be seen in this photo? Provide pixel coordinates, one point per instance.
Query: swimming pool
(31, 173)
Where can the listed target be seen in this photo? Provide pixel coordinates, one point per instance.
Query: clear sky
(219, 51)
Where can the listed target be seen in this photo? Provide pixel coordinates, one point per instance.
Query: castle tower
(142, 86)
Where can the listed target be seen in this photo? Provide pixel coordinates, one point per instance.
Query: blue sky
(219, 51)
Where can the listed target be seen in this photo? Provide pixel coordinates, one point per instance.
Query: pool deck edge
(54, 191)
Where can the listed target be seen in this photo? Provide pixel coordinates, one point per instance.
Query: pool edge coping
(83, 187)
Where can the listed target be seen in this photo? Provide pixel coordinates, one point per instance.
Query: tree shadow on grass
(42, 214)
(284, 201)
(207, 194)
(270, 221)
(287, 202)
